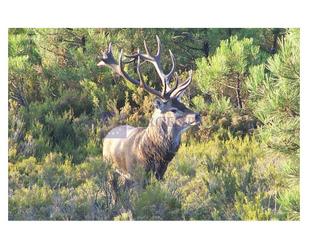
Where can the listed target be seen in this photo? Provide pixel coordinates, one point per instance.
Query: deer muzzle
(193, 119)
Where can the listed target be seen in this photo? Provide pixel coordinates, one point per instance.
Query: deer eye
(174, 110)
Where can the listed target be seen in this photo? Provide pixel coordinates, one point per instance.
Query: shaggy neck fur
(158, 146)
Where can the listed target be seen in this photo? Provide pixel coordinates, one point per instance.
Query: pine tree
(223, 75)
(274, 98)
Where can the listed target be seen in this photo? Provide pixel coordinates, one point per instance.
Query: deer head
(168, 108)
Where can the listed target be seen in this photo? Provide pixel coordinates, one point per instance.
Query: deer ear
(158, 103)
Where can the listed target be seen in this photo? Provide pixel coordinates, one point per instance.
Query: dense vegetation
(241, 163)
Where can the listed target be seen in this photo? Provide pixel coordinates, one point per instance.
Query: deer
(153, 147)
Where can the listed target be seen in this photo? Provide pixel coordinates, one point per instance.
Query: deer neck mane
(159, 145)
(162, 134)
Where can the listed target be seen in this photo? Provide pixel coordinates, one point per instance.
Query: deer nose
(197, 117)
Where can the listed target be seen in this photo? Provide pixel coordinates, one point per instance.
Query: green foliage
(31, 204)
(277, 106)
(241, 163)
(252, 209)
(156, 203)
(57, 189)
(221, 119)
(223, 74)
(289, 202)
(228, 182)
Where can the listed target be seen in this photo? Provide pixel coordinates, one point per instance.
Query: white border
(157, 13)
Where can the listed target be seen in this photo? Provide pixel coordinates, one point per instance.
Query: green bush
(240, 163)
(232, 180)
(156, 203)
(31, 204)
(57, 189)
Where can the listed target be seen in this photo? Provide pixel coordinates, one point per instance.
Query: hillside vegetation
(241, 163)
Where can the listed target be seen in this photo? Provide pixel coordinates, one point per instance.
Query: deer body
(144, 147)
(155, 146)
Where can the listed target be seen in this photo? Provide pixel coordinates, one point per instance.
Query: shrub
(156, 203)
(33, 203)
(241, 163)
(232, 179)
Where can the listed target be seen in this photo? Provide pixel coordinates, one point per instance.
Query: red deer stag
(155, 146)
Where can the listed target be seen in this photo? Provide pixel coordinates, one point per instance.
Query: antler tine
(107, 59)
(165, 90)
(159, 47)
(138, 69)
(181, 88)
(146, 48)
(120, 60)
(175, 86)
(109, 48)
(170, 74)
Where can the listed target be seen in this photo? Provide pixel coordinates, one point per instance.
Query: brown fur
(153, 147)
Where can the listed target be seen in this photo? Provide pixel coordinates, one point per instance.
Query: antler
(167, 93)
(155, 60)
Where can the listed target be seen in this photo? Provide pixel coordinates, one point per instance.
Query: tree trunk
(239, 100)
